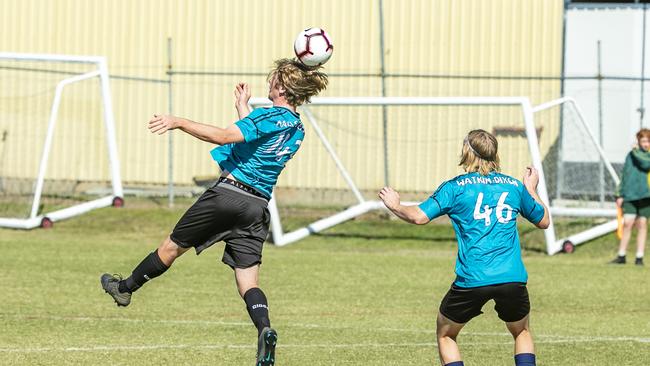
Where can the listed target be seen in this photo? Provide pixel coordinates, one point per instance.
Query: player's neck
(278, 102)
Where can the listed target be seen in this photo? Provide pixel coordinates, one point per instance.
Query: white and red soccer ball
(313, 47)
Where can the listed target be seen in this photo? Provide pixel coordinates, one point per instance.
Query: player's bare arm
(161, 123)
(410, 214)
(531, 179)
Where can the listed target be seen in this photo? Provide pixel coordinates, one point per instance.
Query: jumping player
(483, 206)
(252, 153)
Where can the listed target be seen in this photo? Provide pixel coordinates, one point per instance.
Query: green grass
(363, 293)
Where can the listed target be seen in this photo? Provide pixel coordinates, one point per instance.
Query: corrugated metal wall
(425, 42)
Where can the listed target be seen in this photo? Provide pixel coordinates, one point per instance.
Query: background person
(633, 197)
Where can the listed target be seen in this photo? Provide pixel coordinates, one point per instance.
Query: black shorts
(637, 208)
(462, 304)
(226, 213)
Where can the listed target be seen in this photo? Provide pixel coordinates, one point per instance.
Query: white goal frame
(116, 198)
(553, 245)
(598, 230)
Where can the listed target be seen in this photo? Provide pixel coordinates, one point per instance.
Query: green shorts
(639, 208)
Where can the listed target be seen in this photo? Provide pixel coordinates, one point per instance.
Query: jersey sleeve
(250, 126)
(440, 202)
(532, 210)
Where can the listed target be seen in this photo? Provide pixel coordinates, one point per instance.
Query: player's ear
(281, 89)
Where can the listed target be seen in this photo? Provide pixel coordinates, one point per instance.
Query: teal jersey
(483, 211)
(271, 137)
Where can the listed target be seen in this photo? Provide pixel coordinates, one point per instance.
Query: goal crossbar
(363, 206)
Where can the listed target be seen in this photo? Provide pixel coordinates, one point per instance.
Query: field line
(539, 338)
(287, 346)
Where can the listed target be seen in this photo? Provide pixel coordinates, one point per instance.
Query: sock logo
(256, 306)
(146, 277)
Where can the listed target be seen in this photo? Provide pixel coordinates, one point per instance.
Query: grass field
(363, 293)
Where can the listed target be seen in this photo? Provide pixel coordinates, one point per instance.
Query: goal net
(413, 144)
(58, 155)
(581, 180)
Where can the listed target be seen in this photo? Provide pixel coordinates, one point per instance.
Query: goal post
(98, 70)
(579, 156)
(566, 200)
(363, 206)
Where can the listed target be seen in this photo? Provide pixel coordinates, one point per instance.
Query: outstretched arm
(216, 135)
(220, 136)
(531, 178)
(410, 214)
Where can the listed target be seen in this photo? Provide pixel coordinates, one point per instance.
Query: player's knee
(516, 332)
(642, 224)
(246, 279)
(245, 284)
(518, 328)
(628, 223)
(444, 333)
(243, 288)
(168, 251)
(445, 336)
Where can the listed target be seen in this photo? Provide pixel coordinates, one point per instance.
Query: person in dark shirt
(633, 197)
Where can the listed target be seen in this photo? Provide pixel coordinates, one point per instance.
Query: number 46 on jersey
(503, 210)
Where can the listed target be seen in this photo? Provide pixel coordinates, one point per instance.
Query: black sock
(150, 268)
(257, 308)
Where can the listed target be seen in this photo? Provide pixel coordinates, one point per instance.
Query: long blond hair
(300, 82)
(480, 153)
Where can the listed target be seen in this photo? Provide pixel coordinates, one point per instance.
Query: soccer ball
(313, 47)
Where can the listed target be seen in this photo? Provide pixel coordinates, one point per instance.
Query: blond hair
(480, 153)
(300, 82)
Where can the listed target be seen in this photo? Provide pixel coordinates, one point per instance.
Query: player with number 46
(483, 206)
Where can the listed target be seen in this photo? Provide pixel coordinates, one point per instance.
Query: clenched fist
(390, 197)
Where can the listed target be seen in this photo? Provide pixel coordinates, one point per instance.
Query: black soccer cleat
(618, 260)
(110, 284)
(266, 347)
(639, 261)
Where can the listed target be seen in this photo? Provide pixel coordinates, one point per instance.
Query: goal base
(282, 239)
(588, 235)
(54, 216)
